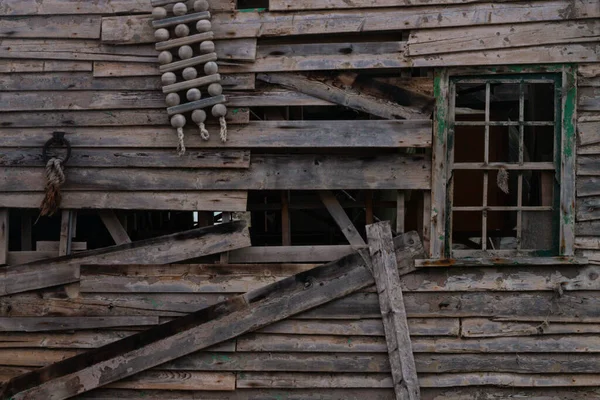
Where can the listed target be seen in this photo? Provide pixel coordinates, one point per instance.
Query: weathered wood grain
(290, 5)
(266, 172)
(126, 157)
(175, 339)
(178, 380)
(55, 26)
(391, 302)
(341, 219)
(359, 102)
(11, 66)
(144, 200)
(480, 38)
(42, 324)
(588, 208)
(164, 249)
(589, 99)
(56, 7)
(485, 327)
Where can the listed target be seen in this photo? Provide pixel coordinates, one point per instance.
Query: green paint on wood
(440, 106)
(570, 105)
(252, 10)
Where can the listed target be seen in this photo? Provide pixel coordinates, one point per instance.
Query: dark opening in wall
(245, 4)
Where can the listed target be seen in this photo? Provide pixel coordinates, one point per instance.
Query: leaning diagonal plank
(354, 100)
(209, 326)
(393, 313)
(161, 250)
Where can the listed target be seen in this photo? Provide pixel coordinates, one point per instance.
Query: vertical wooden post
(4, 236)
(391, 302)
(286, 233)
(567, 171)
(64, 245)
(426, 221)
(224, 258)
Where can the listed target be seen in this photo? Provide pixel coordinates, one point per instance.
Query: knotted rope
(203, 131)
(223, 132)
(180, 144)
(55, 178)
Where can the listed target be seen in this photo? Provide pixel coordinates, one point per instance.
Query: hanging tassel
(223, 129)
(181, 144)
(55, 178)
(203, 132)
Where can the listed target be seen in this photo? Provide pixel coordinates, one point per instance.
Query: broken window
(503, 166)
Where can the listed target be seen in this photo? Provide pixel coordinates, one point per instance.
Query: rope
(223, 129)
(203, 132)
(180, 145)
(55, 178)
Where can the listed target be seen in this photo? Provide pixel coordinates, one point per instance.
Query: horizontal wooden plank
(268, 172)
(589, 99)
(588, 208)
(178, 380)
(588, 186)
(485, 327)
(453, 279)
(74, 81)
(142, 200)
(548, 54)
(265, 254)
(256, 134)
(43, 245)
(588, 132)
(479, 38)
(124, 158)
(131, 120)
(12, 66)
(588, 70)
(324, 343)
(263, 24)
(290, 5)
(587, 242)
(307, 380)
(118, 100)
(55, 26)
(587, 228)
(39, 324)
(45, 7)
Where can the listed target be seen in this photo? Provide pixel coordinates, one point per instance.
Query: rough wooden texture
(147, 200)
(4, 237)
(385, 271)
(341, 219)
(352, 100)
(56, 26)
(314, 172)
(568, 164)
(39, 324)
(204, 328)
(114, 227)
(165, 249)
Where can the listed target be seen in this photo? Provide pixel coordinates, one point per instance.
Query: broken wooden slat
(43, 324)
(294, 254)
(147, 200)
(176, 247)
(341, 219)
(355, 101)
(114, 227)
(180, 337)
(385, 271)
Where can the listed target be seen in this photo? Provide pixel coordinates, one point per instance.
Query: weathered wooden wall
(532, 328)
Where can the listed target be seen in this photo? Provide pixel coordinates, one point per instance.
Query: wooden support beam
(112, 223)
(359, 102)
(391, 302)
(64, 244)
(4, 236)
(341, 218)
(26, 228)
(400, 211)
(161, 250)
(199, 330)
(286, 232)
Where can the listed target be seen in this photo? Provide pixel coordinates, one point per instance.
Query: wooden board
(176, 247)
(485, 38)
(56, 26)
(11, 66)
(143, 200)
(35, 324)
(268, 172)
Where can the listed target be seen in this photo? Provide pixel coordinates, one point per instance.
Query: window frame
(442, 153)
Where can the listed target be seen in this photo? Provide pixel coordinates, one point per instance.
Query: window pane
(466, 230)
(538, 188)
(537, 232)
(503, 140)
(538, 144)
(502, 230)
(469, 143)
(504, 102)
(468, 188)
(539, 102)
(502, 187)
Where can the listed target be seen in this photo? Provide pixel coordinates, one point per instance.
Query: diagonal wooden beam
(393, 313)
(341, 218)
(161, 250)
(351, 99)
(112, 223)
(209, 326)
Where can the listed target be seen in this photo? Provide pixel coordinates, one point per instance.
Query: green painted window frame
(564, 154)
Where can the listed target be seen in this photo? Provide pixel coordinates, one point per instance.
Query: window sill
(499, 261)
